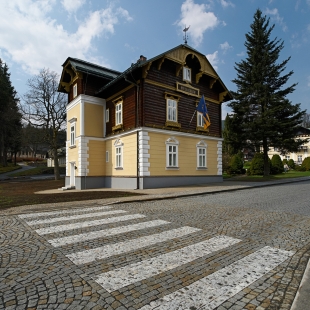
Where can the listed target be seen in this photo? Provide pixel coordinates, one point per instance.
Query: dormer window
(187, 74)
(74, 90)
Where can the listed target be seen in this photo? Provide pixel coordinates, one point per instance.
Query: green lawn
(9, 168)
(36, 171)
(260, 178)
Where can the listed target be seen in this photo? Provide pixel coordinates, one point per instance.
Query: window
(118, 157)
(118, 154)
(299, 159)
(107, 156)
(118, 114)
(172, 110)
(107, 115)
(287, 157)
(74, 90)
(172, 146)
(72, 135)
(186, 74)
(201, 155)
(200, 121)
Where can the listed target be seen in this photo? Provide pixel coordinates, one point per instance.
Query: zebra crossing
(206, 293)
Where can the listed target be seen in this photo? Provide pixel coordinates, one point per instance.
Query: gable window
(200, 122)
(172, 114)
(118, 154)
(118, 114)
(74, 90)
(201, 155)
(172, 153)
(187, 74)
(107, 115)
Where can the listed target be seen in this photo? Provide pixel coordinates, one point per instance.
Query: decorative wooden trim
(146, 69)
(160, 62)
(172, 124)
(179, 67)
(117, 127)
(172, 96)
(212, 81)
(160, 84)
(222, 96)
(117, 100)
(121, 91)
(198, 76)
(188, 89)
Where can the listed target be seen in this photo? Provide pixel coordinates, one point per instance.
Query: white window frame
(107, 156)
(187, 74)
(74, 90)
(119, 154)
(119, 113)
(200, 121)
(201, 148)
(299, 158)
(172, 110)
(172, 153)
(72, 137)
(107, 115)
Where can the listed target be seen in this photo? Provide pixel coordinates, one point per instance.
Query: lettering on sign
(188, 90)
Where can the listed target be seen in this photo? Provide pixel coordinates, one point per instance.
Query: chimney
(142, 58)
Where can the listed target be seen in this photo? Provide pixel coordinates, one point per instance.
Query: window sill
(72, 146)
(117, 127)
(119, 168)
(201, 128)
(173, 124)
(201, 168)
(172, 168)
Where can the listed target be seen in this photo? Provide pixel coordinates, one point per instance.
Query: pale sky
(42, 34)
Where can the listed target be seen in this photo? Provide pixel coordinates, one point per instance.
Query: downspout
(137, 125)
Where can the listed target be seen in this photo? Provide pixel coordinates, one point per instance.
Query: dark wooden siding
(154, 102)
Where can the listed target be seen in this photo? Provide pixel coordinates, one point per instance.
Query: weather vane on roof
(185, 35)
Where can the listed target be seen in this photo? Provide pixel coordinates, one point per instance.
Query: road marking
(118, 278)
(29, 215)
(74, 217)
(59, 228)
(104, 233)
(213, 290)
(88, 256)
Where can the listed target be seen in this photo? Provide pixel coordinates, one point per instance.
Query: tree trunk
(266, 158)
(15, 154)
(56, 165)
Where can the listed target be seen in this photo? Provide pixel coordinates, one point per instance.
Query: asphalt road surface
(237, 250)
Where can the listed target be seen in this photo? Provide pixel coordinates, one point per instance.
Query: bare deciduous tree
(43, 106)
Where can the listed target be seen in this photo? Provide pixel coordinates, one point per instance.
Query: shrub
(291, 164)
(257, 164)
(306, 164)
(236, 165)
(300, 168)
(284, 161)
(276, 164)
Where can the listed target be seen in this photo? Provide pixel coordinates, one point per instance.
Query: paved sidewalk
(302, 299)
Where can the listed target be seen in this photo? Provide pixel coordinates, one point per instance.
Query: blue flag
(202, 108)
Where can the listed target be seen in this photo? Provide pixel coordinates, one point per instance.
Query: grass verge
(9, 168)
(37, 171)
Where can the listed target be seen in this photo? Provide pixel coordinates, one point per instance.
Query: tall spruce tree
(10, 117)
(264, 115)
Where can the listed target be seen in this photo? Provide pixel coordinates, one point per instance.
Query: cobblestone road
(241, 250)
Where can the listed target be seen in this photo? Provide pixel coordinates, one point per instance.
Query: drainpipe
(137, 125)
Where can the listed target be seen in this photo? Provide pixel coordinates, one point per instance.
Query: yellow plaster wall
(187, 156)
(93, 117)
(73, 154)
(96, 159)
(74, 113)
(129, 156)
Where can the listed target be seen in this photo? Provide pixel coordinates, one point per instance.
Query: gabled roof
(177, 54)
(90, 68)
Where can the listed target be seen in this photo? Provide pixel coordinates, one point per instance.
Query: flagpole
(192, 118)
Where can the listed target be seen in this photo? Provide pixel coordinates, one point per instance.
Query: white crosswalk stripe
(74, 217)
(121, 277)
(109, 250)
(109, 220)
(213, 290)
(206, 293)
(49, 213)
(104, 233)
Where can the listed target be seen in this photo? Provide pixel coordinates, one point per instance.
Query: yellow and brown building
(135, 129)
